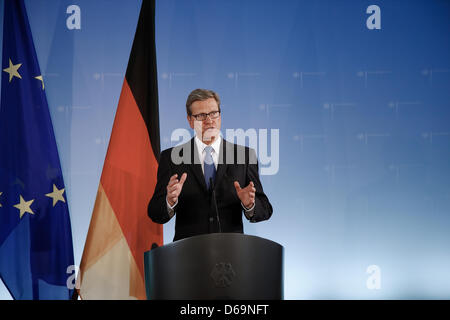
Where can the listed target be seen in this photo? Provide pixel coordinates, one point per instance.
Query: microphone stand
(213, 199)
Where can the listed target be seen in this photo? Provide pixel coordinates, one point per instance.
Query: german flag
(112, 266)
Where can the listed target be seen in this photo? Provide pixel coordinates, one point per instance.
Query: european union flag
(35, 233)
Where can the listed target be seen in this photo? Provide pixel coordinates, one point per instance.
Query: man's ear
(191, 121)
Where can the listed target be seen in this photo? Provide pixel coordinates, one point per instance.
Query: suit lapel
(196, 166)
(222, 166)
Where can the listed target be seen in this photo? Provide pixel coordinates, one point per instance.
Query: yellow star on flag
(13, 70)
(56, 195)
(41, 79)
(24, 206)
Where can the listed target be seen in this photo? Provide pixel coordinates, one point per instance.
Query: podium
(231, 266)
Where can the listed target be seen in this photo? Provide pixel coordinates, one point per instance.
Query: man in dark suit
(208, 182)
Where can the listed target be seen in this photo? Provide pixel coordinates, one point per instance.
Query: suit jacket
(195, 212)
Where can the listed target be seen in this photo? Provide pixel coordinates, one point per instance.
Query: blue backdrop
(355, 98)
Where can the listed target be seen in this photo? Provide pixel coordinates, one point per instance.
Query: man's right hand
(174, 188)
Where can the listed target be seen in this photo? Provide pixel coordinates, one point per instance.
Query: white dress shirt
(214, 152)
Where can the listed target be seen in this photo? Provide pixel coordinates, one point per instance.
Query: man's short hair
(200, 95)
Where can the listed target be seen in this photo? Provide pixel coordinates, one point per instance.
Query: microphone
(213, 194)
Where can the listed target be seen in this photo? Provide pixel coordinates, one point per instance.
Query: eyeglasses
(203, 116)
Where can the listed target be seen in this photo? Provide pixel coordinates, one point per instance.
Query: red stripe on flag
(129, 177)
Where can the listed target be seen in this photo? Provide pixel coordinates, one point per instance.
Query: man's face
(207, 130)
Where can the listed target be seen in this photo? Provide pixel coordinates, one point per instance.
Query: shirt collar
(215, 145)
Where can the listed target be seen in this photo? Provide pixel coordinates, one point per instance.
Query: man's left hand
(247, 194)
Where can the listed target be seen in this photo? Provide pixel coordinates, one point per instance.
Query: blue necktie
(209, 167)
